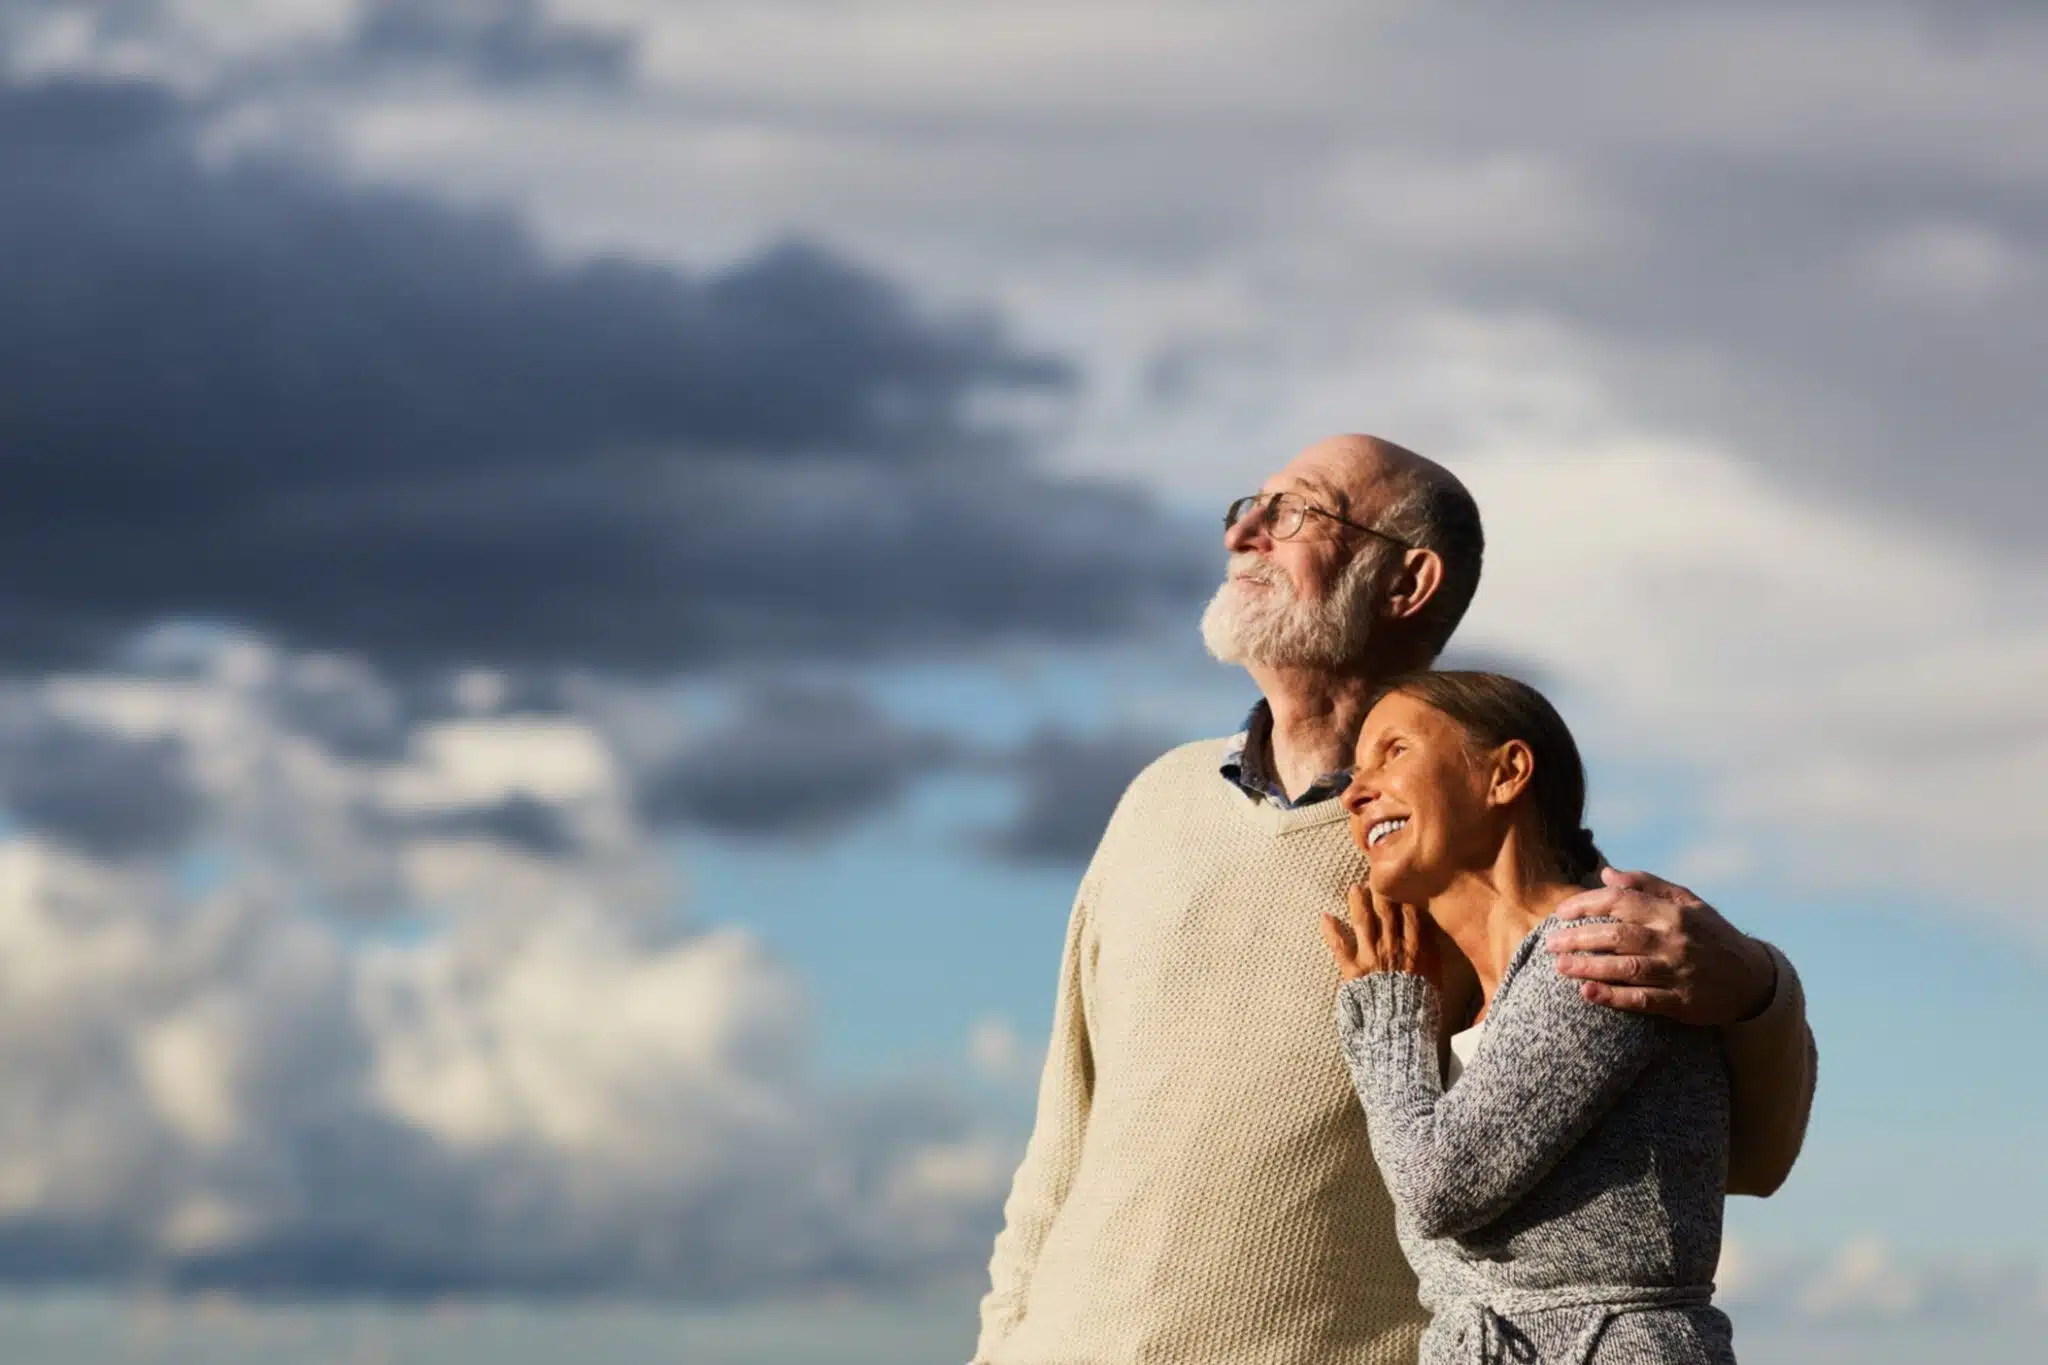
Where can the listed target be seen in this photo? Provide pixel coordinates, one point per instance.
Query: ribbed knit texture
(1565, 1194)
(1199, 1188)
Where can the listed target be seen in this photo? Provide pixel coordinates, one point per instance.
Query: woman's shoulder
(1533, 985)
(1530, 953)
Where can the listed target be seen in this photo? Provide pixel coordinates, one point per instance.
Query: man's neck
(1316, 718)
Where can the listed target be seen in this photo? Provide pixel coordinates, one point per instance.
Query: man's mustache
(1258, 569)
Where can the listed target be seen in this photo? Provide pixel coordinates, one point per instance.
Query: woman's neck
(1488, 911)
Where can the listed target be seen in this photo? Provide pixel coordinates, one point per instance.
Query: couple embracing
(1543, 1075)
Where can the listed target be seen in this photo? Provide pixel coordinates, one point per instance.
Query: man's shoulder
(1175, 774)
(1164, 789)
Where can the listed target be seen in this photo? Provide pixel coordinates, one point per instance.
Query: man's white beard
(1244, 625)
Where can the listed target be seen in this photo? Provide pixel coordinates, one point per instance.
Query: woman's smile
(1384, 829)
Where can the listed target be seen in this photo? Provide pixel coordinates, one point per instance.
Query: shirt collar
(1245, 763)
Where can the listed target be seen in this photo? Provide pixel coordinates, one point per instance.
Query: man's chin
(1229, 637)
(1223, 648)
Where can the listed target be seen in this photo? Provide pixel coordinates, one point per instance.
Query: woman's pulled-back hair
(1493, 709)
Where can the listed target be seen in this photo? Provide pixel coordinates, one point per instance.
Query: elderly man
(1198, 1188)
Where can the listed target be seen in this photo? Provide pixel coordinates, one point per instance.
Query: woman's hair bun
(1582, 855)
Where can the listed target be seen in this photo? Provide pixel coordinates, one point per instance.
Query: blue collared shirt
(1244, 765)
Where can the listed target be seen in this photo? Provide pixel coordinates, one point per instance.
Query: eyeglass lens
(1279, 513)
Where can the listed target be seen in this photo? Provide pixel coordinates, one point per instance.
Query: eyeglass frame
(1239, 509)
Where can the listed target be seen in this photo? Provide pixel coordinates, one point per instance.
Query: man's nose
(1248, 532)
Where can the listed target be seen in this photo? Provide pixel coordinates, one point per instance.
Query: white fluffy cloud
(1864, 703)
(231, 1061)
(1866, 1281)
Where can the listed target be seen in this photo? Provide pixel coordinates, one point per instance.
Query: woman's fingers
(1364, 923)
(1387, 915)
(1411, 937)
(1343, 947)
(1382, 932)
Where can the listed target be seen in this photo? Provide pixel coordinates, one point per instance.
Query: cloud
(364, 420)
(1865, 1281)
(1071, 783)
(1862, 1279)
(520, 821)
(510, 41)
(791, 759)
(107, 794)
(538, 1077)
(504, 44)
(1814, 669)
(1000, 1056)
(1803, 228)
(1947, 264)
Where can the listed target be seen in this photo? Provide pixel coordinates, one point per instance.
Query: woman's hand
(1383, 936)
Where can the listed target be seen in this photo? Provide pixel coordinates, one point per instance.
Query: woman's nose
(1356, 797)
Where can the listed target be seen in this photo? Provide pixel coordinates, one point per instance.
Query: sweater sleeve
(1065, 1090)
(1549, 1066)
(1772, 1065)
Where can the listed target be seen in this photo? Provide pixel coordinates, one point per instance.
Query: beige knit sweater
(1198, 1189)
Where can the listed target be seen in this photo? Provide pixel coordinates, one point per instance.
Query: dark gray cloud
(521, 821)
(491, 43)
(503, 42)
(1812, 233)
(1866, 331)
(366, 420)
(1071, 783)
(104, 793)
(792, 760)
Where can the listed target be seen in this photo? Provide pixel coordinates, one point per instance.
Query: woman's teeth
(1382, 830)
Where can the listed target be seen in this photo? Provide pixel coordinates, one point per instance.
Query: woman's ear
(1514, 767)
(1421, 575)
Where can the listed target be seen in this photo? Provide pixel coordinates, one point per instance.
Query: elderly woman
(1560, 1198)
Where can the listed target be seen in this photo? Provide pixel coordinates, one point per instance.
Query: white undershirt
(1463, 1045)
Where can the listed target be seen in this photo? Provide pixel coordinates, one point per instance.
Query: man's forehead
(1291, 481)
(1339, 477)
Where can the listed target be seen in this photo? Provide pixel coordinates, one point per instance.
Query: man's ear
(1420, 576)
(1514, 767)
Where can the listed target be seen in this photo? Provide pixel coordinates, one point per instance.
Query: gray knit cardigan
(1561, 1202)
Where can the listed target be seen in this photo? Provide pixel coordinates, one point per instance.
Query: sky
(580, 578)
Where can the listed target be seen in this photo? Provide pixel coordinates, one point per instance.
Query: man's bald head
(1377, 483)
(1363, 474)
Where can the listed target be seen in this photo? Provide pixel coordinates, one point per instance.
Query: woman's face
(1418, 800)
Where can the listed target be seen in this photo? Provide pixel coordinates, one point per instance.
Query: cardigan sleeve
(1550, 1066)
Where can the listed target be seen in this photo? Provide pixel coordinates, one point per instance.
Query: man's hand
(1383, 936)
(1671, 953)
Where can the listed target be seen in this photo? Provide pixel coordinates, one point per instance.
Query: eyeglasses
(1282, 515)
